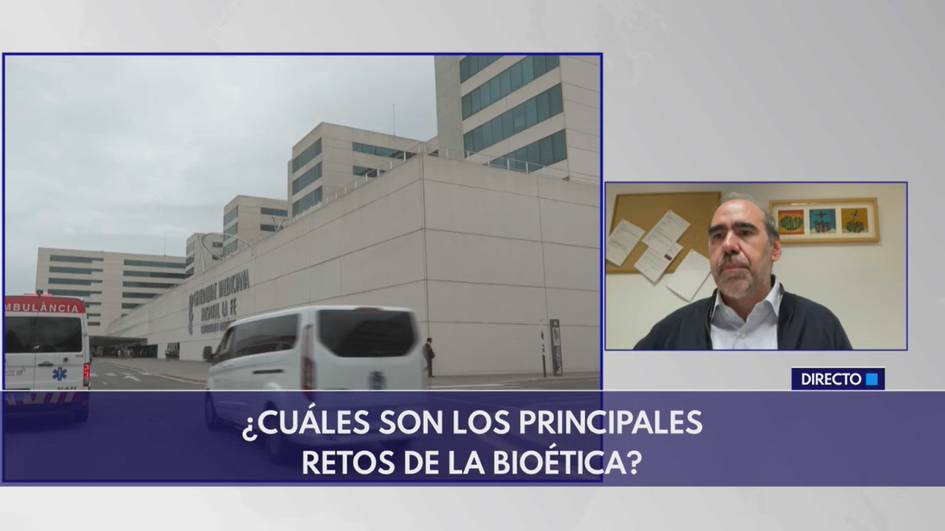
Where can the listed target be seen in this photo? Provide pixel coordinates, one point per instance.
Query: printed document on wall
(622, 241)
(689, 276)
(665, 233)
(653, 264)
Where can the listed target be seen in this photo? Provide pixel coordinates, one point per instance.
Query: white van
(46, 348)
(316, 348)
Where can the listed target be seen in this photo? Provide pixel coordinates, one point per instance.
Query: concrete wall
(203, 250)
(863, 284)
(338, 158)
(484, 257)
(506, 252)
(249, 217)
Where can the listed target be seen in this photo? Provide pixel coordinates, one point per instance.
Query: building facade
(487, 257)
(204, 249)
(247, 219)
(331, 157)
(112, 284)
(489, 231)
(523, 113)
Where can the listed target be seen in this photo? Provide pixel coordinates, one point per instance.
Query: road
(108, 376)
(158, 375)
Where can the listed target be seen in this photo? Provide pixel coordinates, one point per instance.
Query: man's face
(740, 252)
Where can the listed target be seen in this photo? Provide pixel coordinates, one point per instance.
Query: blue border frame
(599, 55)
(711, 182)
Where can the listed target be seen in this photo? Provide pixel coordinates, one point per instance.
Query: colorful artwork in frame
(854, 220)
(823, 220)
(827, 220)
(791, 222)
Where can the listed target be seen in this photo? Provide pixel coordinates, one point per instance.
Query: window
(190, 260)
(74, 270)
(74, 281)
(231, 230)
(515, 120)
(307, 178)
(153, 274)
(90, 303)
(381, 151)
(507, 82)
(231, 215)
(131, 295)
(364, 170)
(307, 155)
(473, 64)
(366, 333)
(265, 335)
(128, 306)
(148, 263)
(158, 285)
(95, 323)
(42, 334)
(94, 315)
(545, 152)
(275, 211)
(73, 293)
(218, 244)
(308, 201)
(230, 248)
(76, 259)
(267, 228)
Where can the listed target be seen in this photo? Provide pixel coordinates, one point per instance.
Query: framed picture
(827, 220)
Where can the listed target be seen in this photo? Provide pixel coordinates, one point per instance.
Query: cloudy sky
(136, 153)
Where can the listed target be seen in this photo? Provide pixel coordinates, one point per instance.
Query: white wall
(506, 252)
(863, 284)
(484, 256)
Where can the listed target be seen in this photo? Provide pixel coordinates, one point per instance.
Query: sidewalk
(196, 371)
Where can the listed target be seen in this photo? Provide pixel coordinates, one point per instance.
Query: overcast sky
(125, 153)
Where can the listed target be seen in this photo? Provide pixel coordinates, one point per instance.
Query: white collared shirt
(760, 331)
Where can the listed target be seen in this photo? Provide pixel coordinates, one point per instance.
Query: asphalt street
(155, 375)
(107, 375)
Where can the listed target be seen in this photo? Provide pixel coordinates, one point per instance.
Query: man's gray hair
(771, 226)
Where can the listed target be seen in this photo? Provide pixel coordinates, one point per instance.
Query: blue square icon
(872, 379)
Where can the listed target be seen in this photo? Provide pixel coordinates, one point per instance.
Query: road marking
(467, 385)
(182, 379)
(94, 375)
(110, 374)
(130, 377)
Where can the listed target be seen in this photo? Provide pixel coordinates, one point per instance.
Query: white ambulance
(46, 348)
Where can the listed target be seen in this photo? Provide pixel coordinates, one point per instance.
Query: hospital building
(489, 231)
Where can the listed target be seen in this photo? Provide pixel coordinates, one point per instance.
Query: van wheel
(210, 417)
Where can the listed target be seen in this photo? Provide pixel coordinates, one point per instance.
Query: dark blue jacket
(802, 325)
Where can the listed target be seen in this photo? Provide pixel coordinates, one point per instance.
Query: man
(428, 354)
(750, 309)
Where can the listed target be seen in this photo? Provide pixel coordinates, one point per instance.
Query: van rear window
(42, 334)
(265, 335)
(366, 333)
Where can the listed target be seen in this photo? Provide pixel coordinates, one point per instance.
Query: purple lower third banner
(580, 438)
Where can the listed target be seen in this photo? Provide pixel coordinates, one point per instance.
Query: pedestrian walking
(428, 354)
